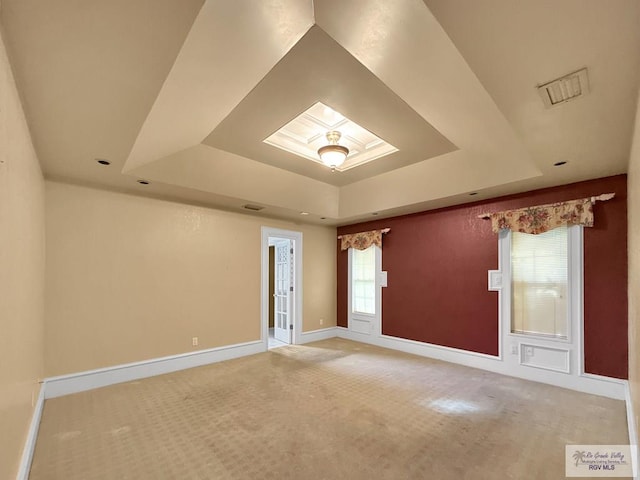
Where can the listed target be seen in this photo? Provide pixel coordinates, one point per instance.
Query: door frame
(296, 310)
(282, 334)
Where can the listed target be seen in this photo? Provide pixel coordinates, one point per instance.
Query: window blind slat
(363, 280)
(539, 269)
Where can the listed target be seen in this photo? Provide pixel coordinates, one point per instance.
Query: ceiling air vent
(564, 89)
(254, 208)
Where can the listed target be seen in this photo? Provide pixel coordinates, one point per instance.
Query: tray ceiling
(182, 93)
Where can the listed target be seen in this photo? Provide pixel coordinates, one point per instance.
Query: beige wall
(130, 278)
(634, 267)
(21, 273)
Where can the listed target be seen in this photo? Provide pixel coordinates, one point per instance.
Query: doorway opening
(281, 287)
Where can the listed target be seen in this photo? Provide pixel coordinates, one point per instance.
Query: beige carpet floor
(329, 410)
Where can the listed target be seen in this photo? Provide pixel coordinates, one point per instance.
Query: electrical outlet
(194, 341)
(514, 349)
(322, 321)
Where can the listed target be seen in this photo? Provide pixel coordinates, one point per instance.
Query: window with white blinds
(539, 283)
(363, 280)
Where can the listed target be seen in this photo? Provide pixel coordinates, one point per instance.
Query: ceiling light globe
(333, 155)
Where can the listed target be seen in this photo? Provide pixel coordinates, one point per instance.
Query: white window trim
(574, 341)
(374, 320)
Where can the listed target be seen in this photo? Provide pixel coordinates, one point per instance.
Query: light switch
(495, 280)
(383, 279)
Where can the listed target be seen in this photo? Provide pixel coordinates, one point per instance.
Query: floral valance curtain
(362, 240)
(542, 218)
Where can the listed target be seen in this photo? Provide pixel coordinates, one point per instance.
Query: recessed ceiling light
(473, 193)
(374, 213)
(253, 208)
(304, 213)
(323, 218)
(559, 164)
(102, 161)
(143, 182)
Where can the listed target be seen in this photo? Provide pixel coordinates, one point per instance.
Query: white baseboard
(317, 335)
(594, 384)
(32, 435)
(80, 382)
(633, 433)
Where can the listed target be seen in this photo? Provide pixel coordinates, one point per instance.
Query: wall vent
(254, 208)
(565, 89)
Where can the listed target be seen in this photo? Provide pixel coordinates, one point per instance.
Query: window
(539, 284)
(363, 280)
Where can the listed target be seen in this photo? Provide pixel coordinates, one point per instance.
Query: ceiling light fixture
(333, 155)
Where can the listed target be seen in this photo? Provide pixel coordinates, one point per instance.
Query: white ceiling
(183, 92)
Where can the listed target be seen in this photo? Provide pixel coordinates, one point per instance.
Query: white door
(282, 304)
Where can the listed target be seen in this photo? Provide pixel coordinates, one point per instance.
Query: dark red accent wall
(437, 264)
